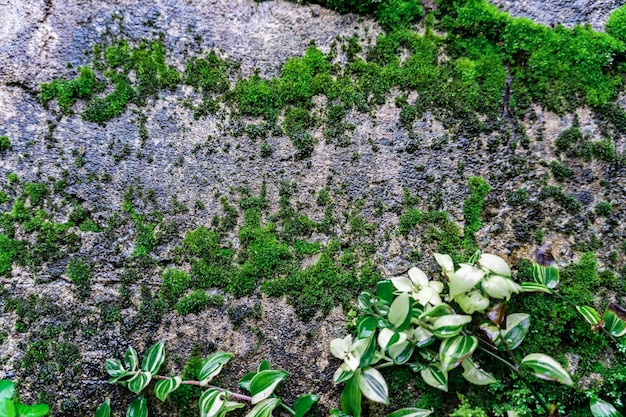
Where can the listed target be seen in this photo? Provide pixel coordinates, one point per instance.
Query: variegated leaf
(138, 408)
(534, 287)
(212, 366)
(154, 358)
(114, 367)
(452, 351)
(517, 325)
(165, 387)
(264, 408)
(592, 317)
(373, 386)
(544, 367)
(450, 325)
(411, 412)
(264, 383)
(615, 320)
(131, 360)
(211, 403)
(400, 310)
(600, 408)
(138, 383)
(435, 377)
(476, 375)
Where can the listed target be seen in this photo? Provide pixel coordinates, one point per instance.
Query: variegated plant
(215, 401)
(428, 325)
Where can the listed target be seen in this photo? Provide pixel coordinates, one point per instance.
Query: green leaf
(7, 390)
(212, 366)
(367, 354)
(264, 383)
(591, 316)
(399, 310)
(36, 410)
(452, 351)
(304, 403)
(154, 358)
(435, 377)
(114, 367)
(104, 410)
(384, 291)
(230, 406)
(351, 395)
(410, 412)
(263, 366)
(165, 387)
(544, 367)
(517, 325)
(342, 374)
(450, 325)
(131, 361)
(366, 326)
(373, 386)
(546, 275)
(138, 408)
(600, 408)
(437, 311)
(264, 408)
(365, 302)
(388, 337)
(211, 403)
(615, 320)
(7, 409)
(534, 287)
(138, 383)
(245, 381)
(475, 375)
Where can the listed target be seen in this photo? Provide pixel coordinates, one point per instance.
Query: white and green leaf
(373, 386)
(141, 381)
(615, 320)
(131, 360)
(264, 383)
(600, 408)
(165, 387)
(474, 374)
(264, 408)
(517, 326)
(211, 403)
(351, 395)
(401, 352)
(535, 287)
(138, 408)
(212, 366)
(7, 389)
(545, 367)
(590, 315)
(114, 368)
(435, 377)
(154, 358)
(410, 412)
(399, 310)
(453, 351)
(342, 374)
(449, 326)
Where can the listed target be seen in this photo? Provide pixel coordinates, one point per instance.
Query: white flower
(446, 263)
(419, 287)
(465, 279)
(495, 265)
(497, 286)
(350, 352)
(472, 301)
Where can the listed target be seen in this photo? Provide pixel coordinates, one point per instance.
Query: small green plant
(5, 143)
(408, 323)
(214, 401)
(11, 407)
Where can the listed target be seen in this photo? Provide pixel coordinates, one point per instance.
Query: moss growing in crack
(603, 209)
(560, 171)
(5, 143)
(68, 91)
(472, 208)
(80, 273)
(567, 201)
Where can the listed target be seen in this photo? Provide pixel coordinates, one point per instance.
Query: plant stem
(508, 350)
(196, 383)
(508, 364)
(289, 409)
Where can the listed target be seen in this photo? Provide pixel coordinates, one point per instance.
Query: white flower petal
(445, 262)
(418, 277)
(495, 264)
(437, 286)
(402, 284)
(472, 301)
(497, 286)
(424, 295)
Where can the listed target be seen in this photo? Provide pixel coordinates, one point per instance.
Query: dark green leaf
(263, 366)
(351, 395)
(304, 403)
(212, 366)
(165, 387)
(104, 410)
(36, 410)
(245, 381)
(384, 291)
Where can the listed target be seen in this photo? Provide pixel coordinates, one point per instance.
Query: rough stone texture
(39, 38)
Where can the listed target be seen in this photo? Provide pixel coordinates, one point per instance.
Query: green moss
(238, 314)
(560, 172)
(517, 198)
(5, 143)
(197, 301)
(186, 397)
(258, 97)
(9, 251)
(567, 201)
(603, 209)
(36, 192)
(616, 24)
(409, 221)
(472, 208)
(174, 284)
(81, 274)
(68, 91)
(604, 150)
